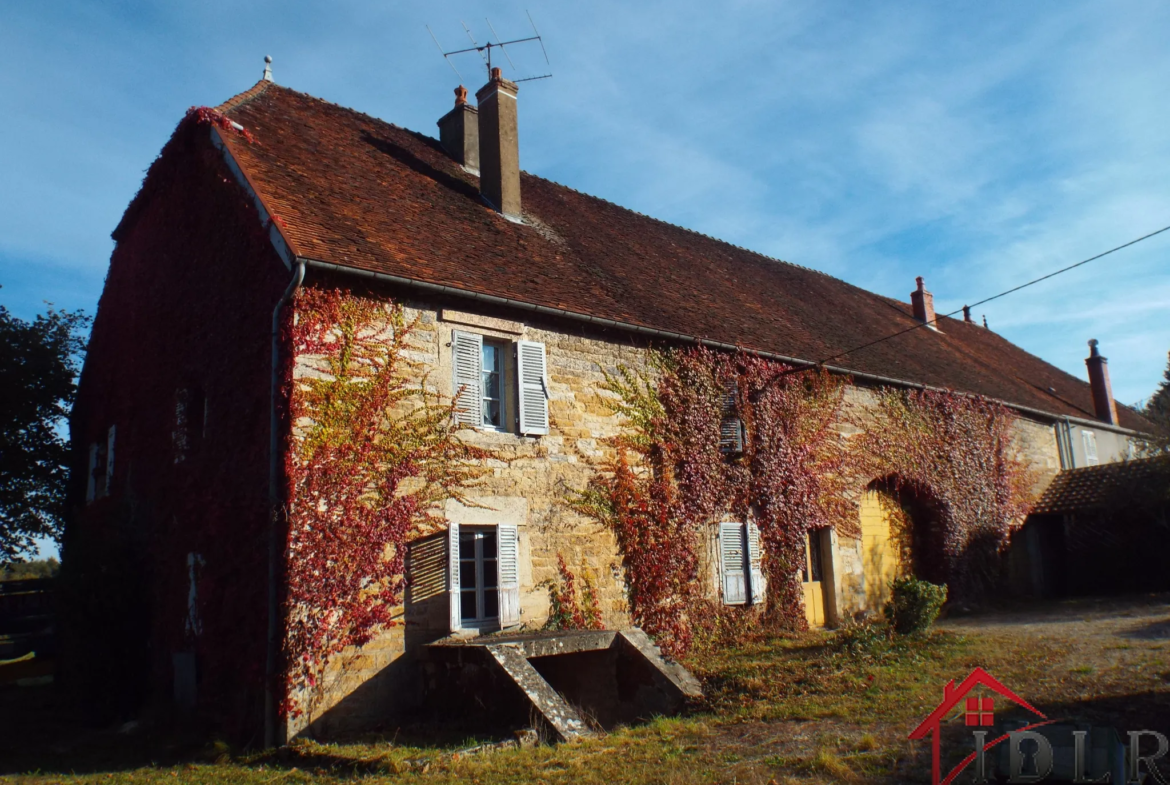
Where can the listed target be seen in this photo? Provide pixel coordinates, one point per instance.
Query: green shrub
(914, 605)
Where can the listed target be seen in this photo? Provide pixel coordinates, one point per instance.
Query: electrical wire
(996, 296)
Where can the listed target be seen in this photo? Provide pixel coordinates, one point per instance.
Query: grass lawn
(815, 707)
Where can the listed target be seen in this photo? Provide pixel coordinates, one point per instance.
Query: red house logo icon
(977, 712)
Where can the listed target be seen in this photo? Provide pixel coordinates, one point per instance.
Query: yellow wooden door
(810, 578)
(881, 550)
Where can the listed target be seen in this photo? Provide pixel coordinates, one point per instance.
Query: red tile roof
(358, 192)
(1101, 487)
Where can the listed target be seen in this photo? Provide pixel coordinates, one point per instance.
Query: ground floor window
(479, 598)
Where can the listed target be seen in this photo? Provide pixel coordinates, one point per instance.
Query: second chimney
(459, 131)
(1103, 404)
(923, 304)
(499, 146)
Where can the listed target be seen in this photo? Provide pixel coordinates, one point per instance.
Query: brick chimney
(459, 131)
(1103, 404)
(923, 302)
(499, 146)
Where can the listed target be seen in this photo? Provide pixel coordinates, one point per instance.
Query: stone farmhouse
(525, 293)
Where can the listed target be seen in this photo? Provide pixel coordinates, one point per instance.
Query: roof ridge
(239, 99)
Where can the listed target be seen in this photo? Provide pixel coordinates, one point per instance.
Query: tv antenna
(485, 50)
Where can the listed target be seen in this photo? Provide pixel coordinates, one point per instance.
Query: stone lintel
(485, 322)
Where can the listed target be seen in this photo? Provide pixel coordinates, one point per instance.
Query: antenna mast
(485, 50)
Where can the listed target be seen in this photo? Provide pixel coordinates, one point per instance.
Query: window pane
(493, 362)
(466, 545)
(491, 413)
(466, 575)
(491, 604)
(489, 574)
(489, 545)
(467, 605)
(491, 358)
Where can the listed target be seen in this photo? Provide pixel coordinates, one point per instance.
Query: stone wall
(528, 487)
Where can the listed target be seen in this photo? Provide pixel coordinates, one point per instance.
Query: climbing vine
(374, 455)
(956, 454)
(671, 477)
(570, 609)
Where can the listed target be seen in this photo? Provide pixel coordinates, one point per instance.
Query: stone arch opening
(902, 535)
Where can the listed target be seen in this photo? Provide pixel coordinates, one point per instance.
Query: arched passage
(900, 536)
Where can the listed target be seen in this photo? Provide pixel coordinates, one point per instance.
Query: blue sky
(976, 144)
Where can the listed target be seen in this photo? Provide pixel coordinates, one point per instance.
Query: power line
(997, 296)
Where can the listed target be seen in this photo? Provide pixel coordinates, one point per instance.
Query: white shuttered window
(1090, 440)
(509, 575)
(467, 358)
(533, 389)
(483, 581)
(756, 583)
(732, 562)
(741, 564)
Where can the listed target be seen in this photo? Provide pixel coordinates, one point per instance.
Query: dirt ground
(1099, 658)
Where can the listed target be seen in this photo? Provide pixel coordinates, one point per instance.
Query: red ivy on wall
(373, 457)
(570, 609)
(670, 480)
(956, 451)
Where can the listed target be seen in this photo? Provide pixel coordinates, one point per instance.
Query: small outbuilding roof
(1107, 486)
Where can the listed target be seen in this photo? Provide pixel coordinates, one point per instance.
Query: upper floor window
(100, 478)
(493, 389)
(1090, 441)
(499, 385)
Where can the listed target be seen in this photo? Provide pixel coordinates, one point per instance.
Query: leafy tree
(39, 362)
(40, 568)
(1158, 406)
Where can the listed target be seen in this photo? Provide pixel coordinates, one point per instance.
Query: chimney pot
(499, 146)
(967, 314)
(459, 131)
(923, 304)
(1103, 404)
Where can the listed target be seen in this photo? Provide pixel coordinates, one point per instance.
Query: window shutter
(730, 426)
(1090, 440)
(533, 390)
(110, 460)
(453, 575)
(509, 566)
(731, 560)
(758, 584)
(91, 480)
(467, 357)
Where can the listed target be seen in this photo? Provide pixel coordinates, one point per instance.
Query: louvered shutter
(731, 562)
(509, 566)
(110, 461)
(467, 357)
(533, 390)
(453, 576)
(730, 425)
(1090, 440)
(758, 584)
